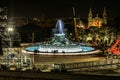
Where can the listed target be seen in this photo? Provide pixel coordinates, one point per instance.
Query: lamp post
(10, 31)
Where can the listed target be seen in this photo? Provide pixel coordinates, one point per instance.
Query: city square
(67, 40)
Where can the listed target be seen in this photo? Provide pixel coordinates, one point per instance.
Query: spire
(96, 15)
(90, 14)
(105, 16)
(104, 13)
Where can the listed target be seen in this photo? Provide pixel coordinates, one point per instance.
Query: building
(3, 16)
(97, 21)
(3, 12)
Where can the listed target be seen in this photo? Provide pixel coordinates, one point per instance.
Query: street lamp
(10, 31)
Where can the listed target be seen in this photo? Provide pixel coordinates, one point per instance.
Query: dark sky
(63, 8)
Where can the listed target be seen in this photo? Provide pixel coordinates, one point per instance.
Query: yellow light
(10, 29)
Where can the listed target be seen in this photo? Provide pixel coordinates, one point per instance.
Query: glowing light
(10, 29)
(60, 26)
(59, 45)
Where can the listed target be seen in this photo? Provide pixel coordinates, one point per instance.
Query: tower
(90, 14)
(104, 16)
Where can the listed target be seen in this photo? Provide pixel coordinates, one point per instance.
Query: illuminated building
(3, 16)
(97, 21)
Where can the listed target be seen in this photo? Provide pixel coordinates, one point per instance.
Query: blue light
(60, 44)
(60, 27)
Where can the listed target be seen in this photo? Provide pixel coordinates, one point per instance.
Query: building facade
(97, 21)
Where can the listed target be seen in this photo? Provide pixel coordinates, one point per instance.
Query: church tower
(90, 14)
(104, 16)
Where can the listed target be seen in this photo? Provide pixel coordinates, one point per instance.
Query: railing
(93, 65)
(18, 62)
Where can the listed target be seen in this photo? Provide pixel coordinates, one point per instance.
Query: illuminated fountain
(59, 44)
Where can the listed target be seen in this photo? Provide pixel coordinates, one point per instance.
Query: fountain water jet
(59, 45)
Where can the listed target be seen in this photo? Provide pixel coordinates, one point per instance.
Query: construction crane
(75, 25)
(114, 51)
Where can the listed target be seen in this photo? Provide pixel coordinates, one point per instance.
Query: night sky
(63, 8)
